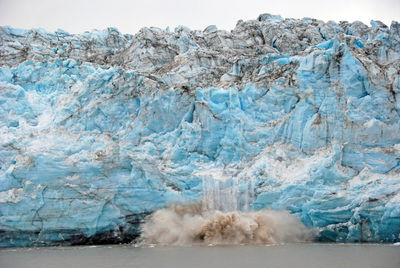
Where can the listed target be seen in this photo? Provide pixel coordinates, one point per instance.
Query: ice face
(100, 129)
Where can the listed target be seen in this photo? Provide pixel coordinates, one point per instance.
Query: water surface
(282, 256)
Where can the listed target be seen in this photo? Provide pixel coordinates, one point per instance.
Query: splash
(222, 217)
(190, 225)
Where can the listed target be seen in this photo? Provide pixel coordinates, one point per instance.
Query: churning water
(223, 217)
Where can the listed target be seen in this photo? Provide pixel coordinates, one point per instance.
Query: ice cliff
(99, 129)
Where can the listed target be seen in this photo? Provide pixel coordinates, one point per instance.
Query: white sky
(77, 16)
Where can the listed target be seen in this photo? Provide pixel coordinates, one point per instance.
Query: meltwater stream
(223, 217)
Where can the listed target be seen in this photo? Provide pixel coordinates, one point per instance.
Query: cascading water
(220, 195)
(223, 216)
(226, 195)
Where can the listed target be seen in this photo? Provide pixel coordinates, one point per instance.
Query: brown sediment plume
(189, 225)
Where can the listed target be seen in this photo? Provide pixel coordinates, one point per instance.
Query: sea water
(283, 255)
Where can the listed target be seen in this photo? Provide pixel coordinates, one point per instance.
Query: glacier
(100, 129)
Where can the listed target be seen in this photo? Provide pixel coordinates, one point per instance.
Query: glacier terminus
(100, 129)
